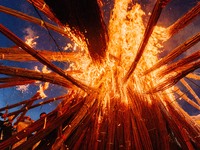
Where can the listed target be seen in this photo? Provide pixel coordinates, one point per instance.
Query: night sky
(170, 14)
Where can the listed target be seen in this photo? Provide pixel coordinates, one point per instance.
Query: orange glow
(126, 29)
(130, 99)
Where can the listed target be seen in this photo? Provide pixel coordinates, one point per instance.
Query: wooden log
(175, 53)
(25, 101)
(174, 127)
(140, 129)
(43, 7)
(187, 126)
(82, 16)
(89, 102)
(186, 98)
(34, 75)
(42, 59)
(172, 80)
(12, 79)
(23, 113)
(160, 4)
(27, 131)
(52, 121)
(184, 20)
(16, 83)
(184, 61)
(17, 54)
(35, 105)
(51, 125)
(65, 31)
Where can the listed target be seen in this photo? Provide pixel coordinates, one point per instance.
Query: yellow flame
(45, 86)
(31, 42)
(126, 29)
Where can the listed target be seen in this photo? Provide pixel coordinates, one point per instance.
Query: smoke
(30, 37)
(23, 88)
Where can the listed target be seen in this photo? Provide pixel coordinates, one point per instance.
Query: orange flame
(126, 29)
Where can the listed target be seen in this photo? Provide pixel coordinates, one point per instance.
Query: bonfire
(121, 94)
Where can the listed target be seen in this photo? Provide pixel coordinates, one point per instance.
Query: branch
(41, 59)
(17, 54)
(185, 20)
(34, 75)
(175, 52)
(160, 4)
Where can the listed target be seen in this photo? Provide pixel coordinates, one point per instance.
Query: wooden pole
(35, 105)
(172, 80)
(160, 4)
(181, 63)
(34, 75)
(40, 22)
(175, 52)
(25, 102)
(16, 83)
(42, 59)
(185, 20)
(17, 54)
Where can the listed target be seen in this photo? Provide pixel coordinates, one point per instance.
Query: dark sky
(18, 26)
(170, 14)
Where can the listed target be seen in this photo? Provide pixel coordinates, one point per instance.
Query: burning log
(184, 21)
(85, 20)
(160, 4)
(181, 63)
(17, 54)
(30, 74)
(187, 99)
(40, 58)
(117, 116)
(32, 99)
(15, 83)
(141, 129)
(65, 31)
(191, 91)
(89, 103)
(172, 80)
(175, 53)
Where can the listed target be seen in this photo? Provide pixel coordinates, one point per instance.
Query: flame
(41, 90)
(127, 107)
(45, 86)
(31, 42)
(126, 29)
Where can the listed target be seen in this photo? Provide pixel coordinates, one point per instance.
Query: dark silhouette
(6, 129)
(47, 141)
(84, 17)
